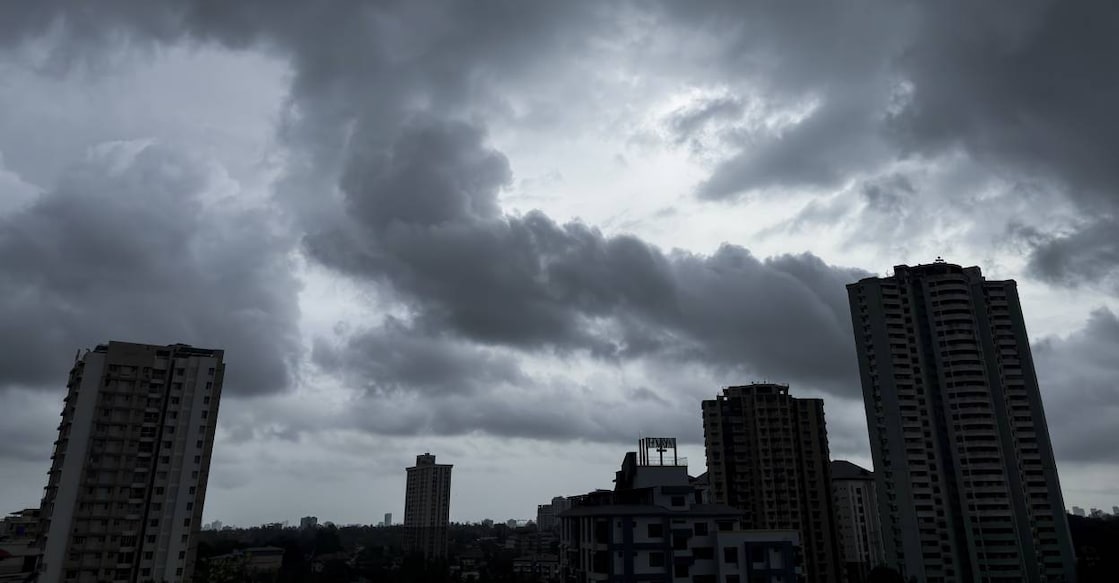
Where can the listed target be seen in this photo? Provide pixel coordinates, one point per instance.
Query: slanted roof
(845, 470)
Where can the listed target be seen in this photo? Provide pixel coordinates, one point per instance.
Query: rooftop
(845, 470)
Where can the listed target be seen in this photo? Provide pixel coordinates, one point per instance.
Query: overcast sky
(520, 235)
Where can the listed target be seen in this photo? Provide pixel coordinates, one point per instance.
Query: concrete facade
(767, 455)
(427, 507)
(856, 519)
(654, 527)
(124, 497)
(967, 483)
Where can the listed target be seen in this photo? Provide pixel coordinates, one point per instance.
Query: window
(701, 529)
(182, 554)
(656, 559)
(730, 555)
(681, 570)
(677, 501)
(656, 531)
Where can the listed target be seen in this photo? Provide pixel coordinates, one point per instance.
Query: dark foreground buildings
(967, 484)
(124, 496)
(767, 455)
(658, 524)
(427, 507)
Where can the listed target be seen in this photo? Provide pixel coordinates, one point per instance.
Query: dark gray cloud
(394, 358)
(436, 238)
(1078, 379)
(1030, 91)
(376, 90)
(126, 248)
(1088, 254)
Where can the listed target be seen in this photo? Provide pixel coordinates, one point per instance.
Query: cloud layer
(866, 132)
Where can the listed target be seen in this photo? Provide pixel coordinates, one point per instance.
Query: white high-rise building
(967, 483)
(124, 497)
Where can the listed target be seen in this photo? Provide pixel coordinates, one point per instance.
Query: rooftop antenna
(939, 259)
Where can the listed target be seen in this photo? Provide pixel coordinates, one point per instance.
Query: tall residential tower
(967, 483)
(767, 455)
(124, 496)
(427, 507)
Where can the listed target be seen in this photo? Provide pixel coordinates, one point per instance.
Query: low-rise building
(541, 567)
(257, 563)
(19, 525)
(656, 526)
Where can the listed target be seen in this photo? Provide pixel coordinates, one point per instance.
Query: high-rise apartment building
(856, 519)
(388, 519)
(767, 455)
(124, 496)
(427, 507)
(967, 483)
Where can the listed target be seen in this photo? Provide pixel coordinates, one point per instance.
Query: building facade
(654, 527)
(767, 455)
(545, 517)
(856, 519)
(124, 496)
(427, 507)
(967, 482)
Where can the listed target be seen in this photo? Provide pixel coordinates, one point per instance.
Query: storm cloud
(821, 142)
(128, 247)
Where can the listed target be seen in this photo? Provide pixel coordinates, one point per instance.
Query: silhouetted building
(767, 454)
(967, 483)
(124, 497)
(856, 519)
(388, 519)
(545, 518)
(23, 524)
(308, 522)
(654, 527)
(252, 564)
(19, 550)
(427, 507)
(1078, 511)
